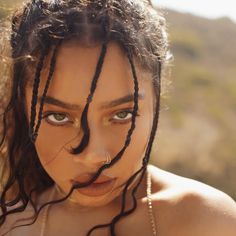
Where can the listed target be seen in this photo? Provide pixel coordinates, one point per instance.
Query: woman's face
(109, 119)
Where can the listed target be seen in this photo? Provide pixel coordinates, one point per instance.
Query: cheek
(131, 160)
(141, 132)
(53, 157)
(46, 145)
(115, 137)
(53, 141)
(140, 138)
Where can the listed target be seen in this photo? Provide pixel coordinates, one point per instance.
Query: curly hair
(43, 25)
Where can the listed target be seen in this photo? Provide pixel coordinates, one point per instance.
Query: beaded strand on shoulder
(149, 202)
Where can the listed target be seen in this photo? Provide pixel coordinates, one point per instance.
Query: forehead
(75, 69)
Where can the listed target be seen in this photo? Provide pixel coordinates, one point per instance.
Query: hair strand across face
(42, 26)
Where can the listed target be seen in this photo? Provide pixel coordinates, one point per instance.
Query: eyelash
(47, 114)
(130, 111)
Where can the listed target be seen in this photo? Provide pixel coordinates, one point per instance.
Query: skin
(182, 206)
(71, 84)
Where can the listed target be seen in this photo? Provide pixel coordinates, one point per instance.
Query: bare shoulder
(13, 224)
(190, 207)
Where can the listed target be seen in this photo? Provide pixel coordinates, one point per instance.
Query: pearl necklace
(149, 203)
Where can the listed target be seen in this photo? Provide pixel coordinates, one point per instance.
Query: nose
(95, 153)
(93, 158)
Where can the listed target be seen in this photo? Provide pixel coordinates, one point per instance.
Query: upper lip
(86, 177)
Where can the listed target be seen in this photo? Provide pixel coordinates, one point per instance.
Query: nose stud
(108, 158)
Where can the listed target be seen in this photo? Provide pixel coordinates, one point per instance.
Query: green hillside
(197, 133)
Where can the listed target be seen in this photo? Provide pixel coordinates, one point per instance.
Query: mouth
(97, 188)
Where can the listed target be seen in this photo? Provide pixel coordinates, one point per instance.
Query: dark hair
(42, 25)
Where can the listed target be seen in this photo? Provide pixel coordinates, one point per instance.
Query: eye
(57, 118)
(123, 116)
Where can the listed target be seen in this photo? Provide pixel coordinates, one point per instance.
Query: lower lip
(99, 189)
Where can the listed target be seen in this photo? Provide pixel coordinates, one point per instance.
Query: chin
(92, 201)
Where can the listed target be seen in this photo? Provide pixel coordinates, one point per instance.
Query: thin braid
(152, 136)
(157, 84)
(89, 99)
(36, 211)
(12, 178)
(15, 210)
(23, 196)
(126, 213)
(51, 71)
(129, 181)
(128, 139)
(35, 94)
(84, 118)
(147, 153)
(143, 168)
(13, 42)
(117, 157)
(127, 142)
(18, 176)
(136, 90)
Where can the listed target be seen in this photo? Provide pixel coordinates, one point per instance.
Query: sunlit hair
(41, 27)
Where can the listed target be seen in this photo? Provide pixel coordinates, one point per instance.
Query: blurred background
(197, 131)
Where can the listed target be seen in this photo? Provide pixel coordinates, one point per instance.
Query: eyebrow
(126, 99)
(56, 102)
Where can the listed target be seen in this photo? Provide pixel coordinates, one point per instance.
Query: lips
(101, 186)
(86, 177)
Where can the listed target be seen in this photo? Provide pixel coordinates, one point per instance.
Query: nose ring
(108, 158)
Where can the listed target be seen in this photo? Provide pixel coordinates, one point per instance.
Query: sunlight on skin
(108, 125)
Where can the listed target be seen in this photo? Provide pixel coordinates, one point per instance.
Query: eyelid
(48, 113)
(72, 120)
(130, 110)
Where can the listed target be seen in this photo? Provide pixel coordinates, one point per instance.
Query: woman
(80, 124)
